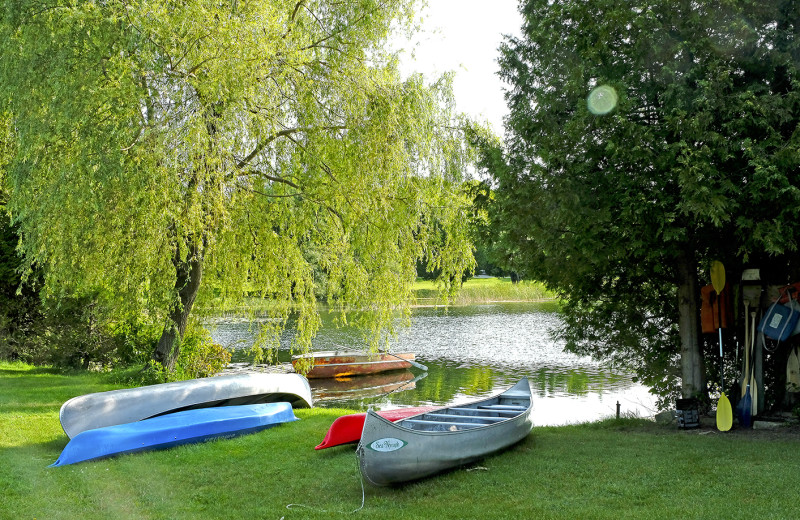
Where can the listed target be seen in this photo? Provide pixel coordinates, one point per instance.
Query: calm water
(471, 352)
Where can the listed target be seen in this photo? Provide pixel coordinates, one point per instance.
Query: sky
(463, 36)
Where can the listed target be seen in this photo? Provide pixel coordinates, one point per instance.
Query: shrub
(199, 356)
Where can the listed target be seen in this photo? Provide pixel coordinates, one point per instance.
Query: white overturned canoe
(90, 411)
(425, 444)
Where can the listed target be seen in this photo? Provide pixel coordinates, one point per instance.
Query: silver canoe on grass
(90, 411)
(425, 444)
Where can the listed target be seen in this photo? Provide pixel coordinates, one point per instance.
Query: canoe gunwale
(340, 363)
(485, 427)
(353, 354)
(349, 367)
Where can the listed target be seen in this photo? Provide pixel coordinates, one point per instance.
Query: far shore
(481, 290)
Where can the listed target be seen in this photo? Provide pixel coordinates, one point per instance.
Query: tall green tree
(168, 147)
(645, 139)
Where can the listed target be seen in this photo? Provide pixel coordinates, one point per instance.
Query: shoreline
(261, 314)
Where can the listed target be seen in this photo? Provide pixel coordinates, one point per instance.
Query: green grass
(474, 291)
(485, 290)
(614, 469)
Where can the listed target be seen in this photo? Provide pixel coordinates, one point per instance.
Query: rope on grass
(363, 499)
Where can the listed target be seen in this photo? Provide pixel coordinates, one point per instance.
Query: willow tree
(646, 139)
(167, 147)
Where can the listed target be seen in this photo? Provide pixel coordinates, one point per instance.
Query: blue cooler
(779, 322)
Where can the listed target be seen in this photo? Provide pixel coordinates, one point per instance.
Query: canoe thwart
(502, 407)
(483, 411)
(466, 418)
(419, 424)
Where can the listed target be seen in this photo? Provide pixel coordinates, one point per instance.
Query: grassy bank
(613, 469)
(485, 290)
(475, 291)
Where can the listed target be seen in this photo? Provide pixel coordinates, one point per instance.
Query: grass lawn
(613, 469)
(485, 290)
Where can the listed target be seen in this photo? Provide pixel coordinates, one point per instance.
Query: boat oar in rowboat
(413, 363)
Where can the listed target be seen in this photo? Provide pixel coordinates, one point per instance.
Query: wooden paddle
(753, 382)
(745, 406)
(413, 363)
(746, 372)
(724, 411)
(793, 371)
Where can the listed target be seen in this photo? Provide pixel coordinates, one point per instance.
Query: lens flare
(602, 100)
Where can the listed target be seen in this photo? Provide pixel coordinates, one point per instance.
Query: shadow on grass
(34, 371)
(38, 453)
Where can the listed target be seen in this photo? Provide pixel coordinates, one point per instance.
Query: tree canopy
(167, 150)
(646, 139)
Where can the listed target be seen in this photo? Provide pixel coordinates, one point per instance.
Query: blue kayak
(174, 429)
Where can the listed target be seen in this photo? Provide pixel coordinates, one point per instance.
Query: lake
(472, 351)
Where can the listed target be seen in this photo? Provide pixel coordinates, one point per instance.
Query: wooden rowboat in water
(339, 363)
(361, 387)
(90, 411)
(422, 445)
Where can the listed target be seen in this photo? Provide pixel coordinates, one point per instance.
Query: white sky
(463, 36)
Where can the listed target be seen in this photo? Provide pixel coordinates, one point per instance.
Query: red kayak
(347, 428)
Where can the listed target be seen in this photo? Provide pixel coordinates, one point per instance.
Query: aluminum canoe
(174, 429)
(325, 364)
(90, 411)
(426, 444)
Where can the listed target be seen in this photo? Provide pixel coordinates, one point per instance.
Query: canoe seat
(463, 418)
(420, 424)
(498, 407)
(516, 395)
(484, 412)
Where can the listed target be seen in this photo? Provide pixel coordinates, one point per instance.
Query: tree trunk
(692, 371)
(189, 273)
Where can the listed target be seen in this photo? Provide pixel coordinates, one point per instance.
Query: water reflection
(362, 387)
(477, 351)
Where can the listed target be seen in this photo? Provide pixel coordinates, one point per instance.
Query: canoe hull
(345, 364)
(166, 431)
(360, 387)
(348, 428)
(98, 410)
(391, 453)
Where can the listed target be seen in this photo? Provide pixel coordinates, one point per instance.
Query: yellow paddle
(724, 411)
